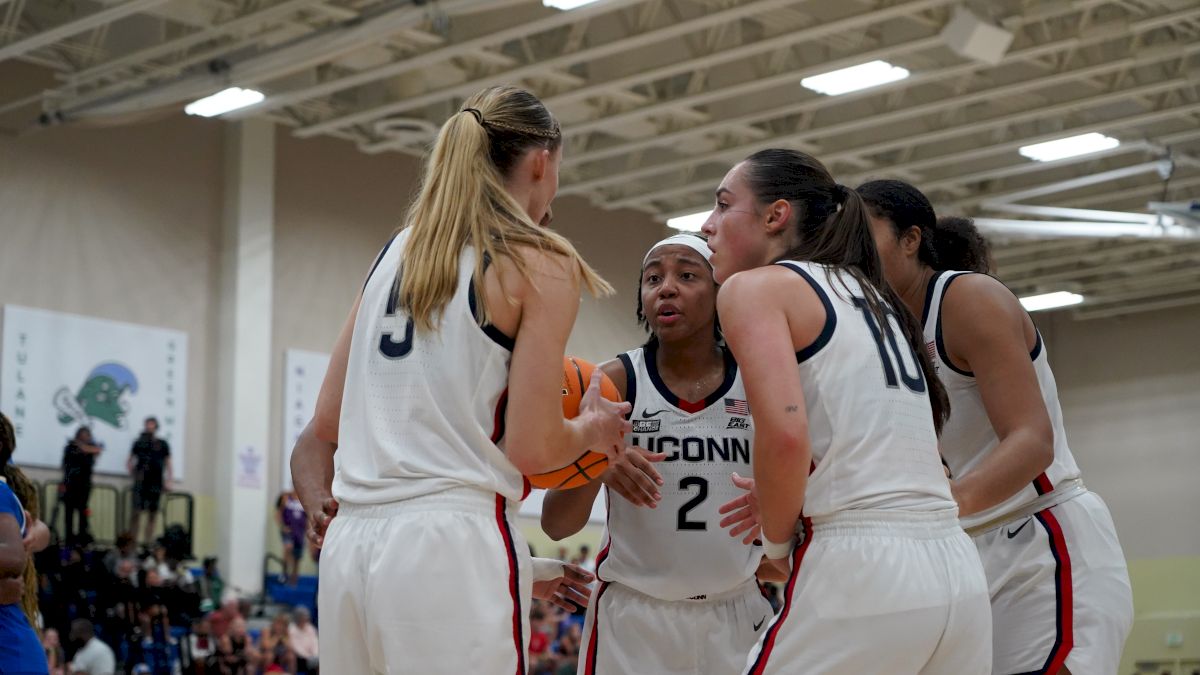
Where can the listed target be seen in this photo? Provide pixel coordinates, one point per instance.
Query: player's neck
(689, 359)
(913, 293)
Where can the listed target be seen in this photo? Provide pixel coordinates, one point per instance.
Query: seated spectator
(223, 617)
(158, 650)
(211, 586)
(304, 641)
(236, 654)
(56, 658)
(126, 550)
(93, 657)
(202, 648)
(275, 644)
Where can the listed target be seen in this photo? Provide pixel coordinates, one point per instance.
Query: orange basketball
(577, 374)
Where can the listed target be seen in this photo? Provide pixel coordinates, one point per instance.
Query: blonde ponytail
(463, 202)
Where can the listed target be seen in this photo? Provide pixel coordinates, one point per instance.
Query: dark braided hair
(950, 243)
(26, 493)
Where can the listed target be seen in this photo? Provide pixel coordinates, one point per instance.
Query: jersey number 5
(388, 346)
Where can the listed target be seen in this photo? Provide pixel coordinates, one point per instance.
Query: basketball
(577, 373)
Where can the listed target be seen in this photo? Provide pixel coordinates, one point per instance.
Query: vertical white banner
(60, 371)
(303, 372)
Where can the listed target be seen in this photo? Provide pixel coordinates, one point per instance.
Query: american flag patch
(736, 406)
(931, 351)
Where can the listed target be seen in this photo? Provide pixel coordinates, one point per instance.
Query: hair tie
(478, 115)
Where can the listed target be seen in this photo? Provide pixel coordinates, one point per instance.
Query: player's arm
(773, 570)
(12, 549)
(757, 329)
(37, 535)
(312, 479)
(538, 438)
(329, 401)
(985, 329)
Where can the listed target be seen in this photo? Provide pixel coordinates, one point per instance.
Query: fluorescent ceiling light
(223, 102)
(1068, 147)
(566, 4)
(1036, 303)
(689, 223)
(850, 79)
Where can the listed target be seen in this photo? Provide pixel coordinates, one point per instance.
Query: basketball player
(845, 443)
(667, 571)
(472, 302)
(1061, 599)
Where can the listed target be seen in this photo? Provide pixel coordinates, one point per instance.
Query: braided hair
(26, 493)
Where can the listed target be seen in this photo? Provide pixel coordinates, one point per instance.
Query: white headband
(691, 241)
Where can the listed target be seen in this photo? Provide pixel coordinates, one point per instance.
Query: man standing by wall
(150, 465)
(78, 459)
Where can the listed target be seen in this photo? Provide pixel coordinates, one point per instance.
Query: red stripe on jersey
(1042, 484)
(590, 657)
(1064, 639)
(514, 582)
(768, 639)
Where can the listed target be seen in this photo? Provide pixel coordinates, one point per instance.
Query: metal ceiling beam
(1150, 190)
(1144, 306)
(436, 56)
(1189, 253)
(1079, 228)
(918, 165)
(814, 135)
(617, 46)
(1025, 271)
(66, 30)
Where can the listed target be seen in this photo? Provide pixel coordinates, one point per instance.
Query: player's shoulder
(973, 295)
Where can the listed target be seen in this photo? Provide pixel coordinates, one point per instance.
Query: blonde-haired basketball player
(469, 305)
(1061, 599)
(676, 595)
(883, 579)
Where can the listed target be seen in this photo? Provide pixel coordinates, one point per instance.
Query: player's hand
(634, 477)
(743, 512)
(607, 420)
(12, 590)
(319, 522)
(571, 587)
(37, 535)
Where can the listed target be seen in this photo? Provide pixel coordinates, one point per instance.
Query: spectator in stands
(93, 656)
(150, 465)
(211, 586)
(78, 458)
(275, 644)
(289, 515)
(202, 648)
(56, 658)
(126, 549)
(562, 554)
(585, 559)
(221, 619)
(158, 650)
(236, 654)
(304, 641)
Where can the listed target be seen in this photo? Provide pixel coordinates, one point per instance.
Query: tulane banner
(59, 372)
(303, 373)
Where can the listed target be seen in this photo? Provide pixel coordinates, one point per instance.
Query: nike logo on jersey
(647, 415)
(759, 624)
(1013, 533)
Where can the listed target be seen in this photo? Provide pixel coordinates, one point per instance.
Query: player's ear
(910, 241)
(778, 215)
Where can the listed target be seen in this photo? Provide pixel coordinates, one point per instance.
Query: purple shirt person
(290, 516)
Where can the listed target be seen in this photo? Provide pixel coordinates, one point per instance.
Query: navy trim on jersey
(378, 259)
(1037, 347)
(830, 316)
(630, 381)
(941, 344)
(929, 296)
(648, 353)
(490, 330)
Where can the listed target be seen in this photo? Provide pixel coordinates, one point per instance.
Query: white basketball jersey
(968, 436)
(422, 412)
(870, 423)
(678, 550)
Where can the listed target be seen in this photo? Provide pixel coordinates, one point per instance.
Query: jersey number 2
(388, 346)
(914, 383)
(682, 521)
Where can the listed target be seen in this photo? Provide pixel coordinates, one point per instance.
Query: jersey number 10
(895, 371)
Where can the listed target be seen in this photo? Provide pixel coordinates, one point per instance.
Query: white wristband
(777, 551)
(545, 569)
